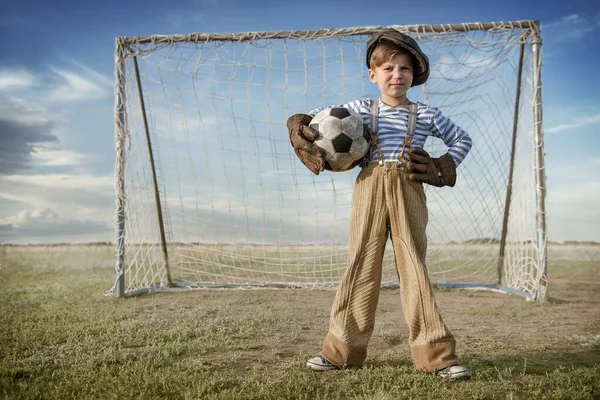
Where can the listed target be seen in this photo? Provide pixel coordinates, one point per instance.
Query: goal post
(209, 193)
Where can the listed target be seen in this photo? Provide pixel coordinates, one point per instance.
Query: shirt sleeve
(458, 141)
(356, 106)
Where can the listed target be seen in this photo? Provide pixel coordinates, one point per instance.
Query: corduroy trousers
(386, 203)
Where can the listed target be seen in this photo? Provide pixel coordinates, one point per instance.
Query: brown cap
(407, 43)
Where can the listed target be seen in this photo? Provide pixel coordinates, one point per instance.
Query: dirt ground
(60, 337)
(488, 326)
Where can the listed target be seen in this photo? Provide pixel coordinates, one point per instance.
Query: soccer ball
(344, 137)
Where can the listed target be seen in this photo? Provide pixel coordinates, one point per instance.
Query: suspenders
(374, 131)
(410, 130)
(408, 138)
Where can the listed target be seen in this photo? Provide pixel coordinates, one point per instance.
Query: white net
(237, 206)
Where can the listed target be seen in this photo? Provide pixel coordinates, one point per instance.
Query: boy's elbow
(463, 142)
(461, 149)
(467, 143)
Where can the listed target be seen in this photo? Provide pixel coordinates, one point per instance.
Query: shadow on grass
(539, 363)
(556, 300)
(398, 363)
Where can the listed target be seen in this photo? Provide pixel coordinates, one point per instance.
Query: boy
(388, 199)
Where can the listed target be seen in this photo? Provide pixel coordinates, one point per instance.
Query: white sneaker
(454, 372)
(319, 363)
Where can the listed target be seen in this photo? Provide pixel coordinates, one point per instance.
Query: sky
(57, 146)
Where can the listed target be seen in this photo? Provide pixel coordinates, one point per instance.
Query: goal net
(211, 194)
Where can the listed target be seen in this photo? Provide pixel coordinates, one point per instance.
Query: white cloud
(16, 79)
(104, 80)
(45, 222)
(580, 122)
(83, 196)
(54, 157)
(569, 27)
(97, 184)
(22, 129)
(76, 87)
(26, 112)
(28, 137)
(82, 83)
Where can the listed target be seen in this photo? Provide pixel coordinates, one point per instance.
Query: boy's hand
(434, 171)
(302, 138)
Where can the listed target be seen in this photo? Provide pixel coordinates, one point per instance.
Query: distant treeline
(467, 242)
(579, 242)
(497, 241)
(62, 244)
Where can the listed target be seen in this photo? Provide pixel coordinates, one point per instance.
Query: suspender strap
(374, 116)
(412, 120)
(375, 130)
(408, 138)
(410, 130)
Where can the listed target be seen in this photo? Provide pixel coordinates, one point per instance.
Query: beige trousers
(386, 202)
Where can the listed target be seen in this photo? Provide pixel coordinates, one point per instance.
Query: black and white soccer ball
(344, 137)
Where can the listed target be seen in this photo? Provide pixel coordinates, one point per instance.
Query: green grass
(60, 337)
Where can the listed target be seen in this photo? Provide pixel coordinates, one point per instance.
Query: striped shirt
(394, 121)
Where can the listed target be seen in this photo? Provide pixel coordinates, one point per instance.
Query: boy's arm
(440, 171)
(458, 141)
(302, 137)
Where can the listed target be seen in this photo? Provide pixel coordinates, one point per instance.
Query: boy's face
(394, 77)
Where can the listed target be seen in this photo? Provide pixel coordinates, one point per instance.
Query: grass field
(60, 337)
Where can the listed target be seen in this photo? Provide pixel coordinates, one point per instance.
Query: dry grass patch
(60, 337)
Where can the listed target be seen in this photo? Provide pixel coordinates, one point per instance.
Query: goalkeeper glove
(434, 171)
(302, 138)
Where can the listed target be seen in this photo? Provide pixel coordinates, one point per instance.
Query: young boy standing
(389, 200)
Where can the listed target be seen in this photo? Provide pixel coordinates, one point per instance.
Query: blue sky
(56, 89)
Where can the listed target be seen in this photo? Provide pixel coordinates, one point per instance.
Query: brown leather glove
(302, 138)
(434, 171)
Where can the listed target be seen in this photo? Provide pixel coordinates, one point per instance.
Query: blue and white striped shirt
(393, 123)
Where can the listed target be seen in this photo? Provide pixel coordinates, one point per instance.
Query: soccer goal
(211, 195)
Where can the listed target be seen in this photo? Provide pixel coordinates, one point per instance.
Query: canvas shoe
(454, 372)
(319, 363)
